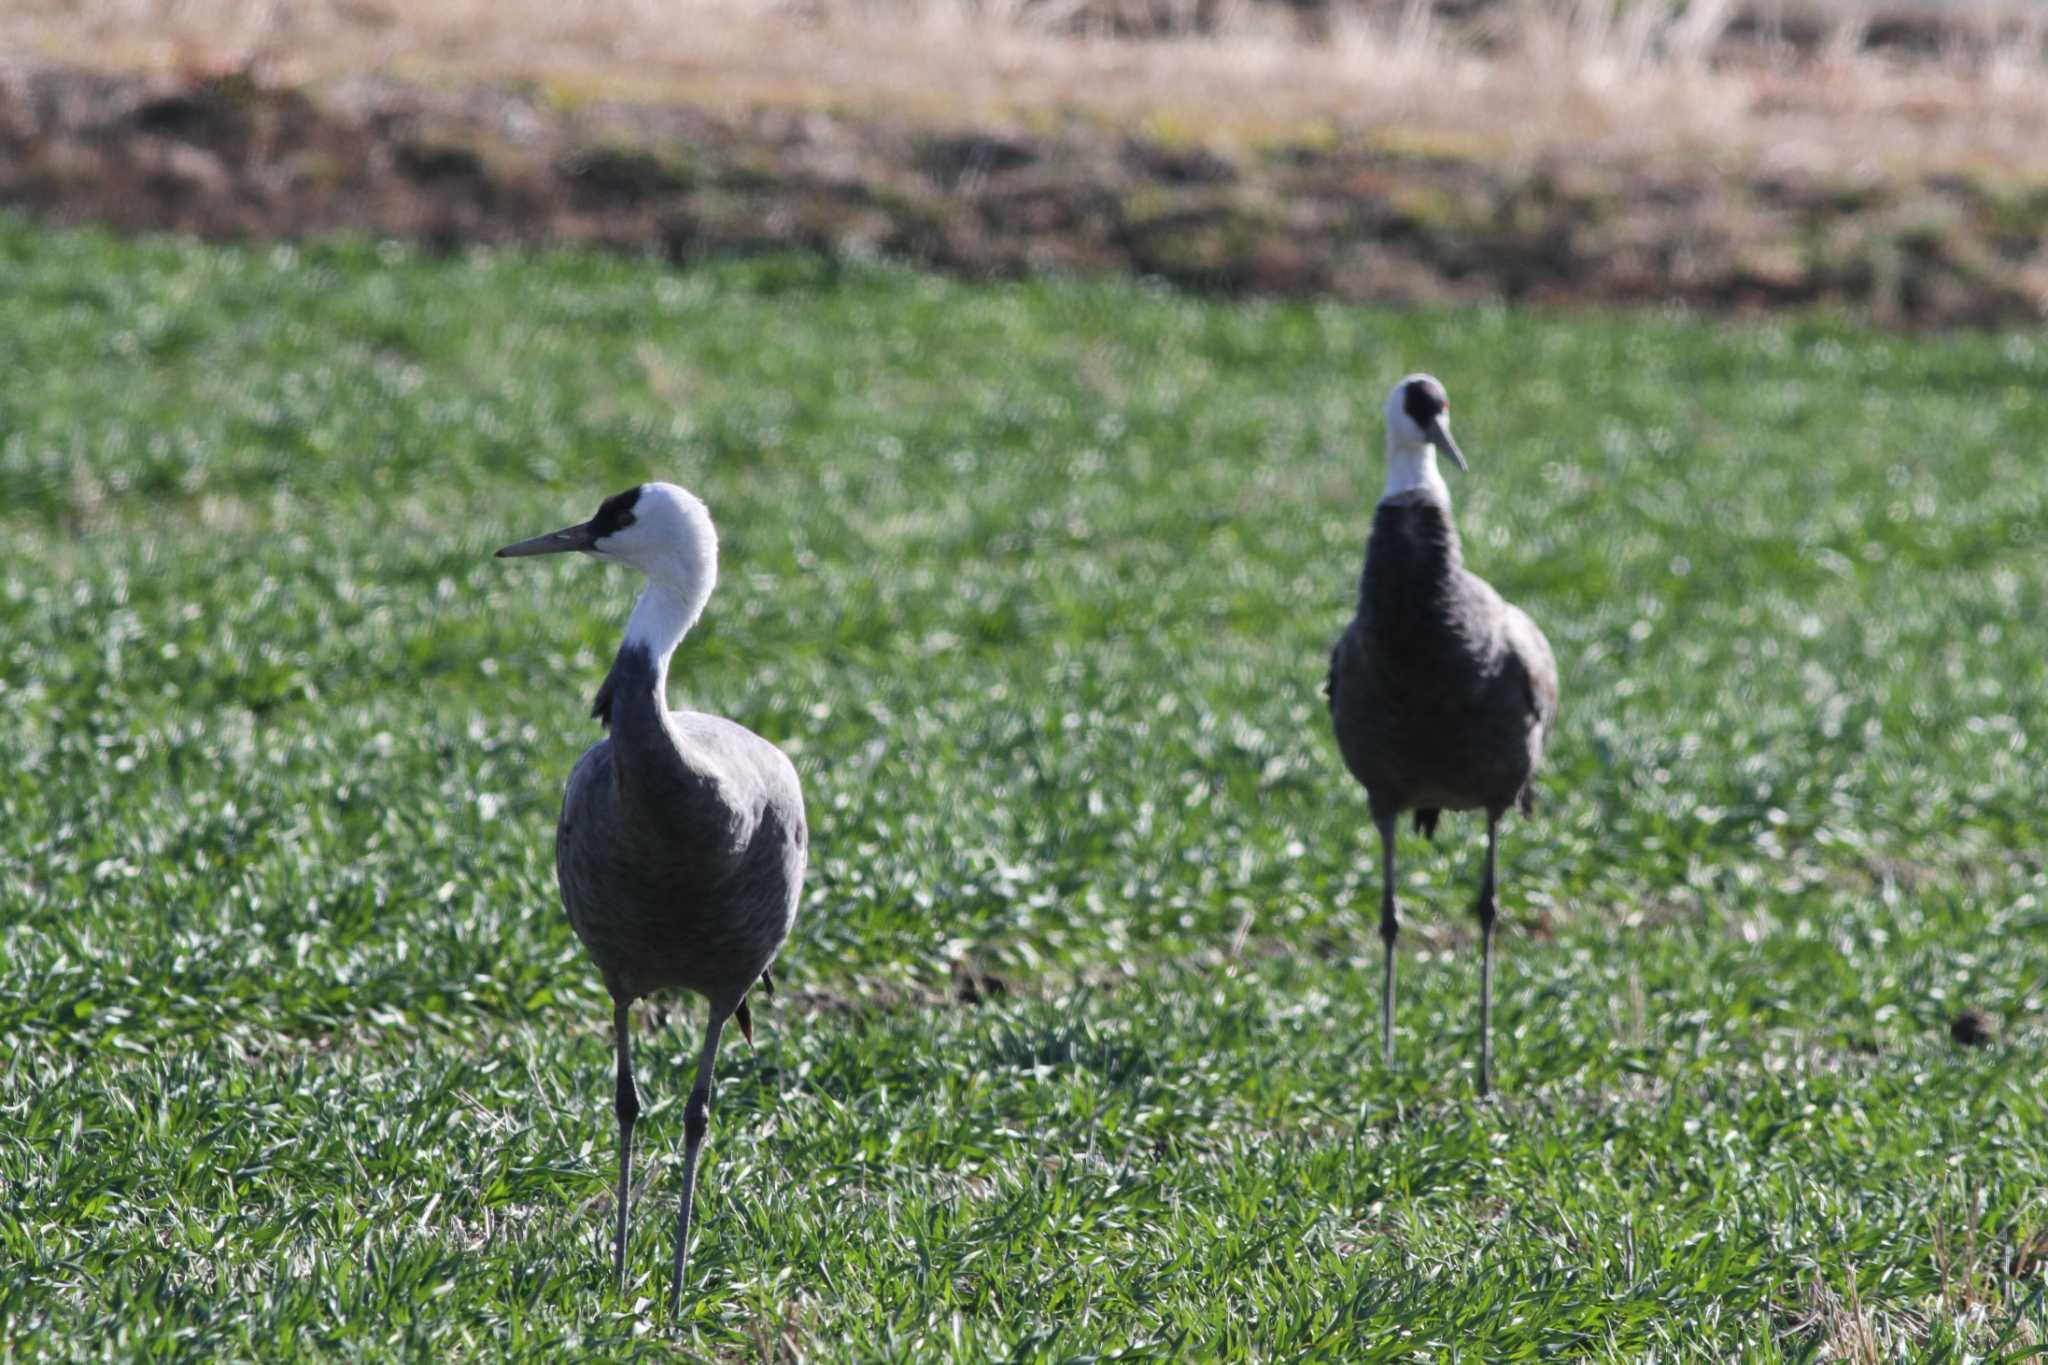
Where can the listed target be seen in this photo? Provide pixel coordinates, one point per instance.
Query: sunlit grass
(299, 1057)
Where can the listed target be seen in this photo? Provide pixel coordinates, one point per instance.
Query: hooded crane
(1441, 693)
(681, 846)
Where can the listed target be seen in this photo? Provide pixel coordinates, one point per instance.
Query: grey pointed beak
(564, 541)
(1440, 437)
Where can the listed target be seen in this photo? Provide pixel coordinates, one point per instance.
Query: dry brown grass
(1409, 150)
(1518, 79)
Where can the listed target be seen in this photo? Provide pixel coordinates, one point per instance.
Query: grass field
(299, 1059)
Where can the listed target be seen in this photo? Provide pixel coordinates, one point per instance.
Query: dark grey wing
(582, 851)
(1539, 665)
(1531, 657)
(763, 804)
(586, 808)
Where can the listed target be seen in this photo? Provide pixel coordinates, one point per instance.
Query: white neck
(1411, 467)
(664, 614)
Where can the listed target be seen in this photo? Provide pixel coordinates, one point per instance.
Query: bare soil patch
(1288, 149)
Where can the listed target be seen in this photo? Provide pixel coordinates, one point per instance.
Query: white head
(663, 531)
(1418, 416)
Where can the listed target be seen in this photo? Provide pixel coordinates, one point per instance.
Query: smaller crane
(1441, 693)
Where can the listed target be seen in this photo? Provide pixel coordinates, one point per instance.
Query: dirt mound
(1358, 215)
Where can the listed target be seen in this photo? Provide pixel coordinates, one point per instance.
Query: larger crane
(682, 842)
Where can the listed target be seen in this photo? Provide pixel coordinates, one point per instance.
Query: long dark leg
(626, 1103)
(1486, 911)
(1390, 927)
(696, 1119)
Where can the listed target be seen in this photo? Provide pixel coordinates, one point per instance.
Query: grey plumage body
(1442, 694)
(681, 845)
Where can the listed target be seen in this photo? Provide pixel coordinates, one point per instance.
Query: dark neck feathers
(1412, 561)
(633, 685)
(650, 769)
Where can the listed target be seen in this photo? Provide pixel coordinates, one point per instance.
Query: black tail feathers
(744, 1017)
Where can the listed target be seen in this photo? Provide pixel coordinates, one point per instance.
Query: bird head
(1419, 416)
(660, 529)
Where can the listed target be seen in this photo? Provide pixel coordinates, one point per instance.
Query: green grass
(299, 1059)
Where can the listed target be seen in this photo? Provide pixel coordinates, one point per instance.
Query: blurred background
(1883, 154)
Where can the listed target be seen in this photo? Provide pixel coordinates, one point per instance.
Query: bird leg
(626, 1103)
(1486, 911)
(696, 1120)
(1390, 926)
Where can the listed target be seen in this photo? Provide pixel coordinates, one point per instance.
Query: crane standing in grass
(1441, 693)
(682, 841)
